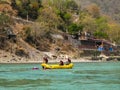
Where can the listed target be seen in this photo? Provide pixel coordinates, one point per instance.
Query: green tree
(89, 24)
(114, 32)
(66, 17)
(100, 34)
(49, 17)
(27, 8)
(71, 4)
(94, 10)
(102, 23)
(74, 28)
(4, 20)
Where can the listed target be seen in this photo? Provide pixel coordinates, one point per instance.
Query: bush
(100, 34)
(74, 28)
(4, 19)
(27, 8)
(21, 52)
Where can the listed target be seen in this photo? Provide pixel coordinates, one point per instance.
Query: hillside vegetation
(35, 22)
(108, 7)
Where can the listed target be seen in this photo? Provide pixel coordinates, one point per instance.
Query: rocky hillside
(28, 38)
(29, 28)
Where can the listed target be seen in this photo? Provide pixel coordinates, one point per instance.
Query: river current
(83, 76)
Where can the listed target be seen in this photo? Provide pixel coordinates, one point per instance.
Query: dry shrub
(38, 36)
(7, 9)
(21, 52)
(68, 47)
(3, 43)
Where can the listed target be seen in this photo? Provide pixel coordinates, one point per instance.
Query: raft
(56, 66)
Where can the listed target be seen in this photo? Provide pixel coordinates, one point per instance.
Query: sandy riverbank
(11, 58)
(40, 61)
(29, 61)
(6, 57)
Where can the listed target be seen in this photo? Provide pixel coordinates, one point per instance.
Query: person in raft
(68, 62)
(61, 63)
(45, 60)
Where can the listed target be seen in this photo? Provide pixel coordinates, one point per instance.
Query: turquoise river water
(83, 76)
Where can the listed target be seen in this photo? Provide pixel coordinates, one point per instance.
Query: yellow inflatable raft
(56, 66)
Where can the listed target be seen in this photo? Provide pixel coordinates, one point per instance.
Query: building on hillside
(85, 41)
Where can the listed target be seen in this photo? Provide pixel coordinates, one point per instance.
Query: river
(83, 76)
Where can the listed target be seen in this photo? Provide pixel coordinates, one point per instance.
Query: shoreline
(8, 58)
(54, 61)
(13, 59)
